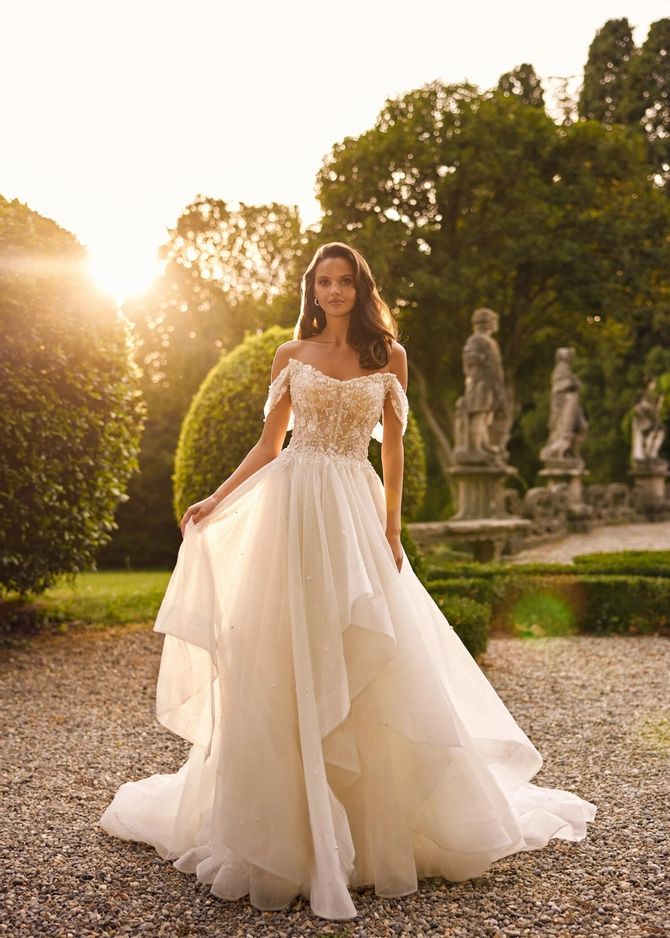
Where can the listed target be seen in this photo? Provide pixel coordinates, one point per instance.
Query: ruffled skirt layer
(341, 733)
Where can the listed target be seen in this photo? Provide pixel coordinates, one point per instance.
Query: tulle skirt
(341, 733)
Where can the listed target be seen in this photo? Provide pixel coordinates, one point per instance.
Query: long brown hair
(372, 326)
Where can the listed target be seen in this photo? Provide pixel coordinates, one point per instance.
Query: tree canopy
(460, 199)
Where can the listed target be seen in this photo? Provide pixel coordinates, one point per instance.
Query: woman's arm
(393, 457)
(264, 451)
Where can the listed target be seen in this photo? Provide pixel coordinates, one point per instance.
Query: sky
(116, 115)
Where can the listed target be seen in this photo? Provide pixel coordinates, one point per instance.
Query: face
(334, 286)
(485, 322)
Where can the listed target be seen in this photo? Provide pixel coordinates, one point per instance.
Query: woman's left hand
(393, 537)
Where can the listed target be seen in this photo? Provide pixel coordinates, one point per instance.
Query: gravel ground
(79, 720)
(605, 538)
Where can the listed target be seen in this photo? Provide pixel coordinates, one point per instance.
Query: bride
(341, 734)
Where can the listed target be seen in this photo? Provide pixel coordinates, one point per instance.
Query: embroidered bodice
(335, 416)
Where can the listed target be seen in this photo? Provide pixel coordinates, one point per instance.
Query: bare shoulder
(283, 353)
(398, 363)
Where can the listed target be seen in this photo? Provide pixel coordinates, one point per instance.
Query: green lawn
(110, 597)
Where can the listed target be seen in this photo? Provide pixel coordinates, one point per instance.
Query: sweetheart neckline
(375, 374)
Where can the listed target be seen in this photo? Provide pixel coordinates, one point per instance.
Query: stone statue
(567, 424)
(648, 428)
(482, 419)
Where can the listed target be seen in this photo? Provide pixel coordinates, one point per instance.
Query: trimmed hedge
(480, 589)
(595, 596)
(487, 571)
(592, 603)
(470, 620)
(640, 562)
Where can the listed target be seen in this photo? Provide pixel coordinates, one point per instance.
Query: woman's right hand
(197, 511)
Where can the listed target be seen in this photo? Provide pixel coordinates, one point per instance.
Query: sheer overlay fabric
(341, 734)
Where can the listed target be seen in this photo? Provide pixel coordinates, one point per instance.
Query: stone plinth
(480, 491)
(570, 475)
(649, 480)
(481, 522)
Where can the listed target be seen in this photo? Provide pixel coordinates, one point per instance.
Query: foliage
(629, 85)
(584, 602)
(413, 552)
(646, 99)
(626, 591)
(70, 405)
(479, 589)
(636, 562)
(606, 72)
(225, 420)
(460, 199)
(229, 272)
(523, 82)
(469, 620)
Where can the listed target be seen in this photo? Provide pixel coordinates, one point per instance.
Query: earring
(316, 302)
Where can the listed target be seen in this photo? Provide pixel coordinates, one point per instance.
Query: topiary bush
(469, 619)
(225, 420)
(71, 412)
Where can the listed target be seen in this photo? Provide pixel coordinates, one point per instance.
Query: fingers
(188, 514)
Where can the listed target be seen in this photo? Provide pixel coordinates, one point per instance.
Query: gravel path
(79, 720)
(607, 538)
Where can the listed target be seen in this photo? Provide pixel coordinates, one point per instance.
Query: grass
(108, 597)
(88, 602)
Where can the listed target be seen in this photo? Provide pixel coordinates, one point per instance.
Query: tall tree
(460, 199)
(523, 82)
(646, 100)
(606, 72)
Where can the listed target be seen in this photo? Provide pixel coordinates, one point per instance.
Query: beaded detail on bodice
(335, 416)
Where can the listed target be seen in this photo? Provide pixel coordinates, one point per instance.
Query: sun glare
(119, 278)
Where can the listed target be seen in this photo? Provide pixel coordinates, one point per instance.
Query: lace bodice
(335, 416)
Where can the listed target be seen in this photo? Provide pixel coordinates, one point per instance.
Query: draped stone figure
(648, 427)
(482, 413)
(567, 423)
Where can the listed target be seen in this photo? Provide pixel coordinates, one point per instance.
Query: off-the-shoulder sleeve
(276, 390)
(399, 402)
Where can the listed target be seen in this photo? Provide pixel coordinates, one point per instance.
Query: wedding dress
(341, 734)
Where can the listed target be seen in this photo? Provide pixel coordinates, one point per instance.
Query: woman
(341, 733)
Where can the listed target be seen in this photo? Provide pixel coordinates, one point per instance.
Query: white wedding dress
(341, 733)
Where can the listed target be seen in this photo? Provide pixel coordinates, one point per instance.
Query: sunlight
(120, 277)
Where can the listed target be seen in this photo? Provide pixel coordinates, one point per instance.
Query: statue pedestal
(481, 491)
(649, 481)
(570, 473)
(481, 521)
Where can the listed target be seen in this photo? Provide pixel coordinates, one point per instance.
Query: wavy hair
(372, 326)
